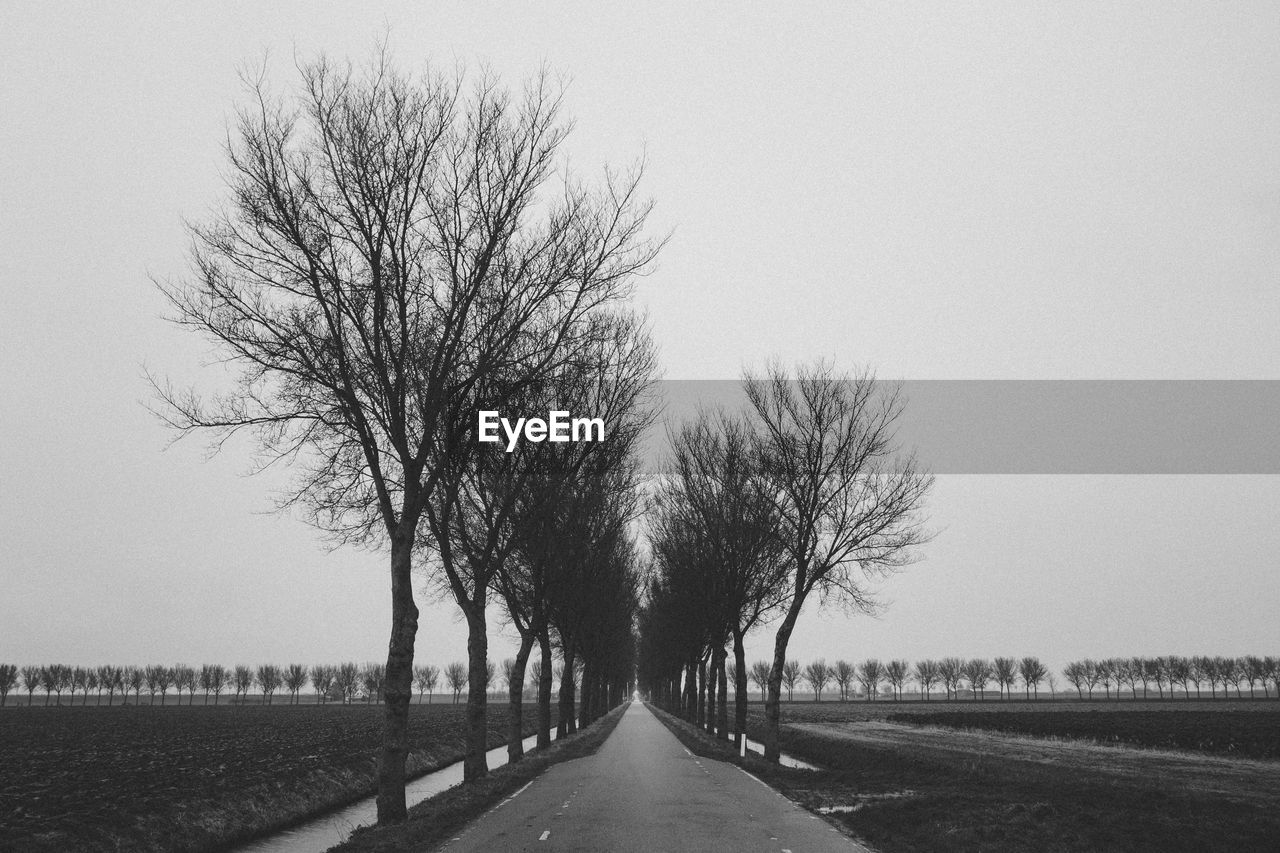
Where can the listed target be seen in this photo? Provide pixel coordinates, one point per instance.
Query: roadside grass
(439, 818)
(199, 779)
(904, 800)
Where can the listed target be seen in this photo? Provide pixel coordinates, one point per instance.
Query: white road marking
(546, 832)
(513, 796)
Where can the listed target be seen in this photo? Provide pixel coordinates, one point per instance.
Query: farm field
(197, 778)
(906, 777)
(1244, 733)
(1243, 728)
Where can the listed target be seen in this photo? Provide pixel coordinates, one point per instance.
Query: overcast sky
(942, 191)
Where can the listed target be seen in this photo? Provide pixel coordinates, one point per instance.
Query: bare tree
(30, 681)
(110, 678)
(714, 537)
(817, 673)
(978, 671)
(135, 676)
(1255, 672)
(1005, 672)
(322, 677)
(425, 678)
(951, 670)
(8, 680)
(849, 505)
(269, 678)
(185, 678)
(790, 675)
(869, 674)
(1075, 673)
(295, 678)
(1106, 674)
(896, 672)
(373, 681)
(388, 243)
(843, 672)
(760, 675)
(346, 682)
(79, 681)
(1032, 672)
(455, 674)
(242, 681)
(927, 673)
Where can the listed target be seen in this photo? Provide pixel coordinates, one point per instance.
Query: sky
(940, 191)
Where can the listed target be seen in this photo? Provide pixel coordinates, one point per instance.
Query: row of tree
(951, 675)
(345, 683)
(1164, 674)
(397, 255)
(802, 498)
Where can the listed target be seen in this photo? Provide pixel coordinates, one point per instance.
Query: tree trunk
(739, 692)
(586, 707)
(689, 699)
(773, 703)
(399, 682)
(702, 693)
(722, 702)
(544, 691)
(568, 720)
(515, 696)
(474, 765)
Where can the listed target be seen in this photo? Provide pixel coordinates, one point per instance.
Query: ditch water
(783, 759)
(335, 827)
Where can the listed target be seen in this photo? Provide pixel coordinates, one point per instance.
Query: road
(642, 791)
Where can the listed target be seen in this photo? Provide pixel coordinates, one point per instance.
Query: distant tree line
(341, 683)
(1157, 677)
(1164, 675)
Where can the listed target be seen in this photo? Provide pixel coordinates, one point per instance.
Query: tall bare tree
(715, 543)
(390, 242)
(849, 503)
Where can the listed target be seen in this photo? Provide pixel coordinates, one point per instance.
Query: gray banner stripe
(1056, 426)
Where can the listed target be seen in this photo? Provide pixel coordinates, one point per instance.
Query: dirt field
(904, 786)
(197, 778)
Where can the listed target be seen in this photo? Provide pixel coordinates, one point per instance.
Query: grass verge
(439, 818)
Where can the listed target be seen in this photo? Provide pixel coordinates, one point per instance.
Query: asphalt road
(642, 791)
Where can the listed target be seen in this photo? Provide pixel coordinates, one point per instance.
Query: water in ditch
(335, 827)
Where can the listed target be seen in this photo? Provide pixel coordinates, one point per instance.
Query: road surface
(643, 792)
